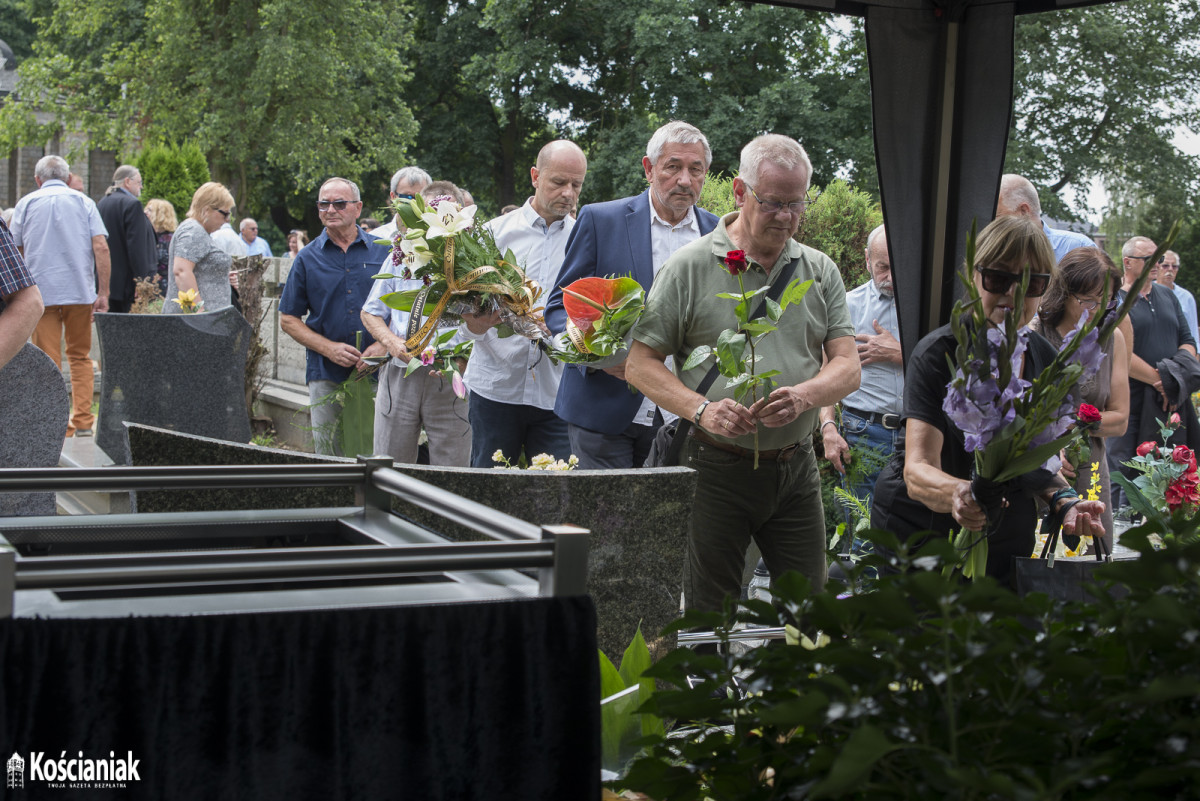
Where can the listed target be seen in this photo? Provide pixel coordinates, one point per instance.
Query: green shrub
(838, 225)
(717, 195)
(173, 173)
(929, 687)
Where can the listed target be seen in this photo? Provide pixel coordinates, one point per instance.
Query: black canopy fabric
(941, 97)
(438, 703)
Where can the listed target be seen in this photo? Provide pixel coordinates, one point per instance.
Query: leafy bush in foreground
(932, 688)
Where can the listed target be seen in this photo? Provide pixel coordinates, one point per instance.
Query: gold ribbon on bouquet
(519, 300)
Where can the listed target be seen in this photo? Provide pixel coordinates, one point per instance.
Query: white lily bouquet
(462, 272)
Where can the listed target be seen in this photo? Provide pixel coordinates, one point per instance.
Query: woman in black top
(926, 486)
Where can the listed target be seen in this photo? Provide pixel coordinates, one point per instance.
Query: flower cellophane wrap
(601, 313)
(1012, 426)
(462, 272)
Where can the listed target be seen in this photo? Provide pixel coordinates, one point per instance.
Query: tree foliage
(1099, 94)
(262, 87)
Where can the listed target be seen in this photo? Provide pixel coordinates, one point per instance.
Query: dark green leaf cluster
(173, 173)
(933, 688)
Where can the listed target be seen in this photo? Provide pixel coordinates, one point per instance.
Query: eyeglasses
(774, 206)
(223, 212)
(405, 197)
(998, 282)
(338, 205)
(1089, 304)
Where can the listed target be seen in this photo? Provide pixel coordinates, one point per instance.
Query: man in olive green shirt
(779, 504)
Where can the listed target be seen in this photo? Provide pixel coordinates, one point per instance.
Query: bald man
(1018, 197)
(512, 384)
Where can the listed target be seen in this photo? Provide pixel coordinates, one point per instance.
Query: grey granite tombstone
(638, 518)
(184, 372)
(35, 406)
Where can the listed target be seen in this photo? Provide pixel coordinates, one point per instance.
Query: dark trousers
(624, 451)
(512, 428)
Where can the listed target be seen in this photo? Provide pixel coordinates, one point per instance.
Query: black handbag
(1063, 579)
(669, 440)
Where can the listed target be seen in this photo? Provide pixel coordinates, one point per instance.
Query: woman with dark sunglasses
(1087, 281)
(926, 487)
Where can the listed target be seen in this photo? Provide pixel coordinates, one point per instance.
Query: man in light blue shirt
(513, 384)
(870, 422)
(65, 245)
(422, 400)
(255, 244)
(1019, 197)
(1168, 271)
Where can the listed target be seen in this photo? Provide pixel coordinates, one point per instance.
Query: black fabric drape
(462, 701)
(907, 48)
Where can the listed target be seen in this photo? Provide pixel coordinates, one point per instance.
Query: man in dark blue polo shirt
(329, 281)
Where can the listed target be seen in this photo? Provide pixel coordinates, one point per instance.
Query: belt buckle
(890, 421)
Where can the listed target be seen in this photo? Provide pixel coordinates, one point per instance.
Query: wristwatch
(699, 413)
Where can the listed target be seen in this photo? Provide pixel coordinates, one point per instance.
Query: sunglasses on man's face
(338, 205)
(998, 282)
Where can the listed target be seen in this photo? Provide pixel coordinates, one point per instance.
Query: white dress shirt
(514, 369)
(665, 239)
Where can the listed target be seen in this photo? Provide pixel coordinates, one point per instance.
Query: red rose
(1089, 413)
(1174, 420)
(1182, 455)
(1145, 448)
(735, 262)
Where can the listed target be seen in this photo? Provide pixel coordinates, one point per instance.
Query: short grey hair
(353, 186)
(52, 168)
(123, 172)
(677, 132)
(411, 175)
(777, 149)
(1133, 243)
(1178, 261)
(1015, 190)
(245, 221)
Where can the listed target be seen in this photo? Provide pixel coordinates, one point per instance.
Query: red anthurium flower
(1089, 413)
(1145, 448)
(735, 262)
(586, 300)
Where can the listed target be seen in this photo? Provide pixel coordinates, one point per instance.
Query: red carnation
(1089, 413)
(735, 262)
(1145, 448)
(1183, 455)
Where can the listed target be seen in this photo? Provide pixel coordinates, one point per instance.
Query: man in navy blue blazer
(610, 424)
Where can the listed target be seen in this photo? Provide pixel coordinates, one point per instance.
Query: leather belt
(889, 421)
(777, 455)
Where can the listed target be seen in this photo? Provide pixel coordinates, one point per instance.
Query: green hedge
(173, 173)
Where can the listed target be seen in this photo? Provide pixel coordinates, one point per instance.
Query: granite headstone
(638, 518)
(35, 406)
(184, 372)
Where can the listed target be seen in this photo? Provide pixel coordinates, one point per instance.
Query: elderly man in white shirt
(65, 245)
(423, 399)
(513, 384)
(871, 414)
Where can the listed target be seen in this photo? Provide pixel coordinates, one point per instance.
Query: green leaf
(414, 364)
(755, 327)
(697, 357)
(865, 746)
(794, 293)
(774, 310)
(401, 301)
